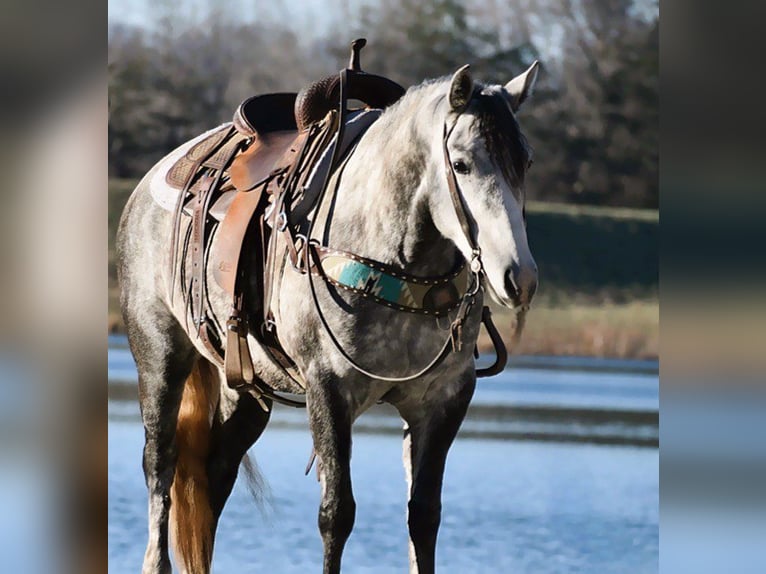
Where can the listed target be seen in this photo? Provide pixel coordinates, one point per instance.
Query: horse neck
(381, 205)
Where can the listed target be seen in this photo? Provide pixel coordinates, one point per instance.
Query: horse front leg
(330, 420)
(431, 427)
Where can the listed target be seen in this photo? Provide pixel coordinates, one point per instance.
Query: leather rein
(310, 259)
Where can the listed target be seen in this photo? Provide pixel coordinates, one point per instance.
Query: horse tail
(191, 517)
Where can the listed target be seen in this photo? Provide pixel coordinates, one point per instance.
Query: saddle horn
(315, 101)
(356, 49)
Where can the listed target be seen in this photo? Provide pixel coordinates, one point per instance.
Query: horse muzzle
(521, 283)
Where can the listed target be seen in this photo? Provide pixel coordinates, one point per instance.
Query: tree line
(593, 121)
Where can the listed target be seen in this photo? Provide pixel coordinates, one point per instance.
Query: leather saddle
(257, 175)
(264, 128)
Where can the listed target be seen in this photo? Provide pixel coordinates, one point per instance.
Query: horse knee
(336, 516)
(423, 517)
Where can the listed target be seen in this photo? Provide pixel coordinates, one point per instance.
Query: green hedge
(595, 252)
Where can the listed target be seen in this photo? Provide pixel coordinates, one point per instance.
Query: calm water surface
(509, 506)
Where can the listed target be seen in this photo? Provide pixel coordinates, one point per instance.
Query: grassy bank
(598, 280)
(617, 330)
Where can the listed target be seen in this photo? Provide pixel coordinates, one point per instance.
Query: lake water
(554, 472)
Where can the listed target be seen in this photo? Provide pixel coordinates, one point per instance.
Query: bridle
(454, 339)
(476, 264)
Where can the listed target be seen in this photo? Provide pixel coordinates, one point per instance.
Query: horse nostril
(513, 274)
(510, 283)
(532, 289)
(521, 285)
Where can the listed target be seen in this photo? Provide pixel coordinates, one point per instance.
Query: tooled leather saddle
(251, 178)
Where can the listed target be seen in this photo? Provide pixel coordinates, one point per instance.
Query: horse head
(485, 159)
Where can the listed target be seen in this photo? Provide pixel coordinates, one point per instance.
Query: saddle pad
(164, 194)
(187, 166)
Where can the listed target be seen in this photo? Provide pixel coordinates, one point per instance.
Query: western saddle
(260, 174)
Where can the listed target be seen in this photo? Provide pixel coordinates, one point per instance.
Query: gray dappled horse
(392, 205)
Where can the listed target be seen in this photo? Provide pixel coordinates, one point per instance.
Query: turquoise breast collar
(388, 286)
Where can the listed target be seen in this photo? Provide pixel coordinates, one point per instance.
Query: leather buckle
(267, 213)
(476, 265)
(234, 324)
(281, 221)
(300, 245)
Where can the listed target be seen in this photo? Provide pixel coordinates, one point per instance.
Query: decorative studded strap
(391, 287)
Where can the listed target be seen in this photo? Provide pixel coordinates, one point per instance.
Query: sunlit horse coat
(392, 205)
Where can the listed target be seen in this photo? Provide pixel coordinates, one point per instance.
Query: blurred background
(179, 68)
(564, 443)
(543, 495)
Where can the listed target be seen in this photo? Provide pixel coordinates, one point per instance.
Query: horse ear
(522, 86)
(461, 89)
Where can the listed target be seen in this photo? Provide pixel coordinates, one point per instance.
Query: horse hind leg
(238, 423)
(190, 464)
(164, 358)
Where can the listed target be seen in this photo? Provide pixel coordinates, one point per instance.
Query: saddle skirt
(248, 170)
(238, 188)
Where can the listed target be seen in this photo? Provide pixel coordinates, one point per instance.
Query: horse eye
(460, 167)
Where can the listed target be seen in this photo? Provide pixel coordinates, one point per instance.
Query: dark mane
(505, 143)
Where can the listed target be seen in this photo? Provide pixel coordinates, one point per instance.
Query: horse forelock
(504, 141)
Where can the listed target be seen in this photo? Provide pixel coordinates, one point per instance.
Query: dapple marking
(391, 205)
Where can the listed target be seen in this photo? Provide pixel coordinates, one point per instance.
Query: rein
(476, 269)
